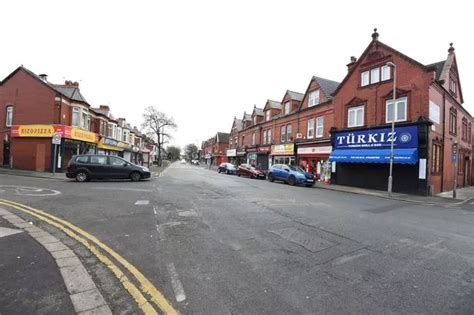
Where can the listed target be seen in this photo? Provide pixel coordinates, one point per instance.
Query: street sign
(56, 138)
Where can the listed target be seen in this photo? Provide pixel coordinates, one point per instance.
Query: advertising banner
(283, 149)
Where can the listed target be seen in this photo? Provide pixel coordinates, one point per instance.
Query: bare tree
(191, 151)
(174, 152)
(157, 126)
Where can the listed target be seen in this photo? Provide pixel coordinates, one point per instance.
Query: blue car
(290, 174)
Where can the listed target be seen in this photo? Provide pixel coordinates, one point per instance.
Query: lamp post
(390, 177)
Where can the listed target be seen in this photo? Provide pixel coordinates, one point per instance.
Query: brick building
(429, 119)
(32, 110)
(214, 150)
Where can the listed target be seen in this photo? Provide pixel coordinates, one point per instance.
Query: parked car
(227, 168)
(91, 166)
(290, 174)
(250, 171)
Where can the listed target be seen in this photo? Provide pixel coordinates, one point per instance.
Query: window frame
(264, 137)
(253, 138)
(313, 101)
(289, 134)
(382, 73)
(453, 121)
(436, 158)
(76, 111)
(282, 133)
(355, 109)
(267, 115)
(310, 126)
(287, 108)
(372, 71)
(362, 76)
(316, 134)
(9, 116)
(395, 110)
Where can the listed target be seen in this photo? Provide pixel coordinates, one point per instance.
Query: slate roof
(71, 92)
(295, 95)
(238, 124)
(247, 117)
(258, 111)
(328, 86)
(222, 137)
(438, 67)
(274, 104)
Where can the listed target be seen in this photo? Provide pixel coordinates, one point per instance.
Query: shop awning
(401, 156)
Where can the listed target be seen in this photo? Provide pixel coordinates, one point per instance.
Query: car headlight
(145, 169)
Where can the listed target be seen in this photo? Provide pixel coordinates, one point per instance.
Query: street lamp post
(390, 177)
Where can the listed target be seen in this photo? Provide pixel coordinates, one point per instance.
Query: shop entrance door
(6, 153)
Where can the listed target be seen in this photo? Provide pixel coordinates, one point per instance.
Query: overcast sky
(204, 62)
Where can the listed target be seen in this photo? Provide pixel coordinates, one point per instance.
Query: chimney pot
(44, 77)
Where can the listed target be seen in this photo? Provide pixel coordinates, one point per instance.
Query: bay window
(396, 112)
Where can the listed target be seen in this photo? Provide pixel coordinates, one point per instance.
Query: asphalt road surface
(219, 244)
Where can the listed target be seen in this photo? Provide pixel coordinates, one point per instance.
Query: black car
(90, 166)
(227, 168)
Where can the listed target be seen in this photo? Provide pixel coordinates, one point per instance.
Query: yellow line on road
(145, 285)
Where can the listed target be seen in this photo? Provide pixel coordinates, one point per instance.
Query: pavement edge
(83, 292)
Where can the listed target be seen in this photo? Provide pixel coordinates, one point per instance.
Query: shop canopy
(401, 156)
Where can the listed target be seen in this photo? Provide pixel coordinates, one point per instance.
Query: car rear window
(82, 159)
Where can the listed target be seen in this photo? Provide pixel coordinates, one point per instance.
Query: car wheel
(270, 177)
(292, 180)
(135, 176)
(227, 172)
(238, 174)
(219, 171)
(82, 176)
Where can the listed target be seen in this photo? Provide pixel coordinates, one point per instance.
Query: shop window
(289, 136)
(436, 158)
(355, 116)
(453, 124)
(313, 98)
(399, 110)
(9, 116)
(282, 133)
(310, 133)
(75, 117)
(287, 108)
(319, 127)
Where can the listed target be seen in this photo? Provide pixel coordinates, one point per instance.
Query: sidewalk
(17, 172)
(41, 275)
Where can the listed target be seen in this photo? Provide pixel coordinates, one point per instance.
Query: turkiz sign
(403, 137)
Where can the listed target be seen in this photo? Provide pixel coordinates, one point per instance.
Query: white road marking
(7, 231)
(30, 191)
(142, 202)
(176, 284)
(154, 210)
(123, 189)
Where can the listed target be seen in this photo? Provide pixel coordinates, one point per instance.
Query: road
(220, 244)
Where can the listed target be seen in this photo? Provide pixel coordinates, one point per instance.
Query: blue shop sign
(404, 137)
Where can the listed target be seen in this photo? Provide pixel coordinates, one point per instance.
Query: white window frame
(355, 110)
(287, 107)
(310, 129)
(374, 75)
(264, 137)
(365, 78)
(269, 135)
(267, 115)
(76, 111)
(254, 120)
(385, 73)
(289, 134)
(395, 111)
(319, 127)
(282, 133)
(253, 138)
(313, 98)
(9, 116)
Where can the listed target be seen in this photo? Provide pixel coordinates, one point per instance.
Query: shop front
(362, 158)
(241, 156)
(109, 146)
(32, 148)
(314, 158)
(252, 156)
(231, 155)
(283, 154)
(263, 157)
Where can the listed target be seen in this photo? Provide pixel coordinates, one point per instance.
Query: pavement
(218, 244)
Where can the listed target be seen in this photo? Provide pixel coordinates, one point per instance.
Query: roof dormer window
(287, 108)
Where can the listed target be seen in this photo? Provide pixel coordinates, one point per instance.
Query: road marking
(142, 202)
(123, 189)
(30, 191)
(86, 239)
(7, 231)
(176, 284)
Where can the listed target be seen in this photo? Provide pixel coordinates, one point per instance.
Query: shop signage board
(314, 150)
(232, 152)
(265, 149)
(47, 131)
(404, 137)
(283, 149)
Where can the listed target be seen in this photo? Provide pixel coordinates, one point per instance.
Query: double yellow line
(146, 288)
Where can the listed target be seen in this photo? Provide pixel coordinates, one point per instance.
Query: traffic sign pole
(54, 159)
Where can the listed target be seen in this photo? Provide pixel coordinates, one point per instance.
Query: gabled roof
(327, 86)
(246, 117)
(71, 92)
(222, 137)
(257, 111)
(273, 105)
(438, 68)
(237, 124)
(295, 95)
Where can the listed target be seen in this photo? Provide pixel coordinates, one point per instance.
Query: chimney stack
(44, 77)
(351, 64)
